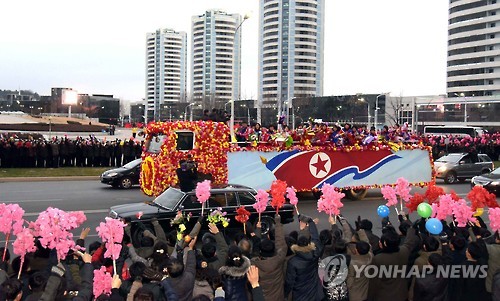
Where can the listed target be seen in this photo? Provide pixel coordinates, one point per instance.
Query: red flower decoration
(481, 198)
(242, 215)
(278, 190)
(415, 200)
(433, 193)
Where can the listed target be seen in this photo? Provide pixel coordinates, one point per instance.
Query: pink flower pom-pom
(444, 208)
(262, 198)
(494, 215)
(292, 196)
(462, 213)
(403, 189)
(11, 218)
(330, 201)
(102, 282)
(24, 243)
(111, 232)
(389, 194)
(203, 191)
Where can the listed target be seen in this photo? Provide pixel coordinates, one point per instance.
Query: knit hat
(267, 248)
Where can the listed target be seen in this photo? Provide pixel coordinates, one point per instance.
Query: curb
(48, 179)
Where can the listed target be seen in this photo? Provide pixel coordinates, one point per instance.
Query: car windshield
(169, 198)
(132, 164)
(452, 158)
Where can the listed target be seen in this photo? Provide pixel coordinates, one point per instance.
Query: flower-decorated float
(305, 166)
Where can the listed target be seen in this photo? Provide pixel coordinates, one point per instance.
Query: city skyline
(386, 46)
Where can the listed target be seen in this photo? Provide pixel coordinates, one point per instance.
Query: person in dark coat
(431, 287)
(270, 263)
(234, 275)
(186, 176)
(11, 290)
(302, 279)
(374, 239)
(54, 147)
(215, 254)
(37, 284)
(181, 277)
(396, 289)
(470, 287)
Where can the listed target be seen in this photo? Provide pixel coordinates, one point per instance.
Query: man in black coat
(302, 279)
(186, 176)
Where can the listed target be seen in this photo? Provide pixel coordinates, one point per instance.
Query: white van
(456, 131)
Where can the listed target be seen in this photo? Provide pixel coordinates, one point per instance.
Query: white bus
(456, 131)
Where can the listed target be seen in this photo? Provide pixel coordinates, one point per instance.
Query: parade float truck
(305, 166)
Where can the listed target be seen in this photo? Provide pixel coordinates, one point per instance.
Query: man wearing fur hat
(302, 278)
(270, 263)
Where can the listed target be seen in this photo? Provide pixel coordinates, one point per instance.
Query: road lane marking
(31, 201)
(93, 211)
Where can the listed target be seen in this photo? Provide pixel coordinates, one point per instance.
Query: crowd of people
(65, 152)
(307, 264)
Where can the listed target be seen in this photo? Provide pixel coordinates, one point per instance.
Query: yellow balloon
(479, 212)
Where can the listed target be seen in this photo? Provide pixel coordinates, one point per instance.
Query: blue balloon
(383, 211)
(434, 226)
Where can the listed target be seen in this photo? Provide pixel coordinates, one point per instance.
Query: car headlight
(112, 174)
(442, 169)
(495, 183)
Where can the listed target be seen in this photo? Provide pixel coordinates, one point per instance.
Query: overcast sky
(98, 47)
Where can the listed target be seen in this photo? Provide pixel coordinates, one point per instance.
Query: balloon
(479, 212)
(383, 211)
(424, 210)
(434, 226)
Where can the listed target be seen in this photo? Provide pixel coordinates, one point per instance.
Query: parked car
(228, 197)
(123, 177)
(490, 181)
(460, 166)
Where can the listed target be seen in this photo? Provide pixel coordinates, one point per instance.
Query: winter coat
(373, 240)
(472, 288)
(271, 277)
(85, 292)
(430, 288)
(235, 280)
(495, 288)
(423, 259)
(203, 288)
(358, 286)
(183, 285)
(394, 289)
(302, 278)
(221, 253)
(493, 264)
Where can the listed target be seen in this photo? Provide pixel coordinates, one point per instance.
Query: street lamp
(465, 105)
(375, 121)
(185, 111)
(369, 117)
(231, 126)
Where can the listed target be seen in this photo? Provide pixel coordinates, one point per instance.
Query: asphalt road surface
(95, 199)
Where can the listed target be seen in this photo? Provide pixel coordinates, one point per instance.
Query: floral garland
(211, 145)
(148, 174)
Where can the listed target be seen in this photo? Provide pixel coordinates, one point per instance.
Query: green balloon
(424, 210)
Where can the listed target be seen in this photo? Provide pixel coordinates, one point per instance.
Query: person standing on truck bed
(186, 175)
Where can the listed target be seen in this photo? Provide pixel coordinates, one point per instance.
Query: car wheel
(126, 183)
(450, 178)
(485, 171)
(267, 224)
(356, 194)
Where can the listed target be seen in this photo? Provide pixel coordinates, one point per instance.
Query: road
(95, 199)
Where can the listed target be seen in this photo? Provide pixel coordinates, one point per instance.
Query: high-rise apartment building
(166, 71)
(216, 63)
(291, 40)
(473, 69)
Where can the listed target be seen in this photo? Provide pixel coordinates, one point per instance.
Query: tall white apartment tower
(291, 40)
(166, 71)
(473, 69)
(216, 51)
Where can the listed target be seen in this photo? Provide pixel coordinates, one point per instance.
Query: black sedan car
(123, 177)
(228, 197)
(490, 181)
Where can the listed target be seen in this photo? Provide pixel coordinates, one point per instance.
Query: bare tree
(394, 109)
